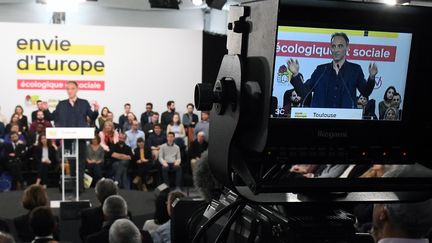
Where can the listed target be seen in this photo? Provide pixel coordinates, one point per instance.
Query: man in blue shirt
(133, 134)
(334, 85)
(73, 112)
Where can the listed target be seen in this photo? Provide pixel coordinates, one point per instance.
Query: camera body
(254, 149)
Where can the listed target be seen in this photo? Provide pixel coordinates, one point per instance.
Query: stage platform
(140, 204)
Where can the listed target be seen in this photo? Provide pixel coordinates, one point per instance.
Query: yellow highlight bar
(331, 31)
(96, 50)
(66, 71)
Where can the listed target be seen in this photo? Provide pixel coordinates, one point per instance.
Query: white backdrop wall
(141, 64)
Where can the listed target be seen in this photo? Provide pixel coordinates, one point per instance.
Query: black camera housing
(246, 143)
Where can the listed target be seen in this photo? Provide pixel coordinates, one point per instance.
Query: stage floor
(140, 204)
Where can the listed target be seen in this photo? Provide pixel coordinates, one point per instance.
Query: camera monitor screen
(340, 74)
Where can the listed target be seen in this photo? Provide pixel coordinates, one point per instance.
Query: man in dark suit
(334, 85)
(114, 208)
(146, 116)
(15, 152)
(42, 106)
(92, 218)
(166, 117)
(124, 117)
(73, 112)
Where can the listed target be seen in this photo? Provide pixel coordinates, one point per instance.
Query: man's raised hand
(293, 66)
(373, 70)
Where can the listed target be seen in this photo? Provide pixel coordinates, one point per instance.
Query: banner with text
(112, 65)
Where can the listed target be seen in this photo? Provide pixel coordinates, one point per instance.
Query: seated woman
(108, 136)
(142, 161)
(95, 158)
(45, 155)
(34, 196)
(178, 129)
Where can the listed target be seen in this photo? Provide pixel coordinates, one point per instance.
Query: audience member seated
(170, 159)
(43, 224)
(203, 125)
(167, 116)
(328, 171)
(387, 102)
(292, 99)
(34, 196)
(133, 134)
(155, 140)
(6, 238)
(22, 119)
(15, 129)
(95, 156)
(14, 121)
(146, 117)
(128, 123)
(114, 207)
(160, 215)
(148, 127)
(163, 233)
(196, 149)
(102, 118)
(108, 136)
(92, 218)
(368, 107)
(15, 152)
(396, 102)
(178, 129)
(45, 155)
(124, 117)
(121, 155)
(391, 114)
(124, 231)
(33, 137)
(40, 119)
(142, 164)
(407, 222)
(42, 106)
(110, 117)
(190, 119)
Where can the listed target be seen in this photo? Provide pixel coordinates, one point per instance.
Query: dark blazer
(101, 236)
(24, 123)
(196, 149)
(20, 151)
(145, 116)
(147, 153)
(67, 115)
(52, 155)
(91, 221)
(331, 90)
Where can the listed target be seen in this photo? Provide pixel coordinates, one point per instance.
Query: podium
(70, 133)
